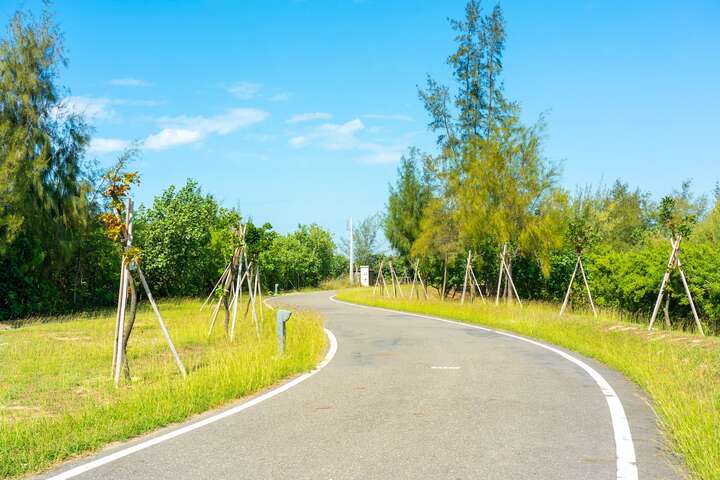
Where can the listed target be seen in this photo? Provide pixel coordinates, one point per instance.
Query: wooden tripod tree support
(505, 270)
(121, 338)
(675, 264)
(418, 278)
(237, 271)
(397, 288)
(578, 264)
(381, 277)
(472, 279)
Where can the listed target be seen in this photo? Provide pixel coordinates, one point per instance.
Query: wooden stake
(512, 284)
(666, 276)
(377, 277)
(215, 287)
(251, 303)
(164, 329)
(259, 295)
(123, 294)
(394, 279)
(465, 280)
(687, 290)
(569, 289)
(500, 277)
(477, 285)
(587, 287)
(123, 281)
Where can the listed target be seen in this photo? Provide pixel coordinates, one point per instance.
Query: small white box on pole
(365, 276)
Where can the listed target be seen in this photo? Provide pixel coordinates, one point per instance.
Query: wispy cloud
(393, 116)
(310, 116)
(129, 82)
(281, 97)
(222, 124)
(99, 108)
(107, 145)
(171, 137)
(346, 136)
(91, 108)
(184, 130)
(244, 90)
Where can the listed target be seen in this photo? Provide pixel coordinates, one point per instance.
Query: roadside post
(276, 287)
(282, 317)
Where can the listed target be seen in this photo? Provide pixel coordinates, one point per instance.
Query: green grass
(57, 398)
(678, 370)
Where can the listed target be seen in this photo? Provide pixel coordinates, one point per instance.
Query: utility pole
(350, 226)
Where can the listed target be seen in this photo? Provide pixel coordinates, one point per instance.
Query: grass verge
(678, 370)
(57, 399)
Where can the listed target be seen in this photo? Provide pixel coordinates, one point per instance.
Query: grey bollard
(282, 317)
(276, 287)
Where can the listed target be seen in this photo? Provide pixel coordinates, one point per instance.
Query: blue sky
(297, 111)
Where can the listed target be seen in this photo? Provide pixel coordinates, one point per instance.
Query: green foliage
(406, 203)
(300, 259)
(186, 238)
(48, 217)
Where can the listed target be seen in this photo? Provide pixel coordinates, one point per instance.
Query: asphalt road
(408, 397)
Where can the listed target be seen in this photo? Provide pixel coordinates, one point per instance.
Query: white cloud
(244, 90)
(307, 117)
(298, 141)
(107, 145)
(98, 108)
(382, 154)
(349, 136)
(129, 82)
(395, 116)
(281, 97)
(89, 107)
(222, 124)
(170, 137)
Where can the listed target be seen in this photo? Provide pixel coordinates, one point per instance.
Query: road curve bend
(413, 397)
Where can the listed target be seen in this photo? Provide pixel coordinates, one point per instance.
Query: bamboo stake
(395, 280)
(502, 263)
(214, 316)
(512, 284)
(477, 285)
(412, 288)
(687, 290)
(587, 287)
(164, 329)
(259, 295)
(238, 296)
(666, 276)
(572, 279)
(215, 287)
(422, 283)
(123, 294)
(121, 328)
(123, 281)
(377, 277)
(251, 304)
(465, 280)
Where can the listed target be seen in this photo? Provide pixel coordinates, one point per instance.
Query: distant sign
(365, 276)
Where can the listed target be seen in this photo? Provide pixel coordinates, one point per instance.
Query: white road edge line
(624, 447)
(201, 423)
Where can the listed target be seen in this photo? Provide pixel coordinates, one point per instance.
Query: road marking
(443, 367)
(201, 423)
(624, 447)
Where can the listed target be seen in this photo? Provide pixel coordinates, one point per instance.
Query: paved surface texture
(408, 397)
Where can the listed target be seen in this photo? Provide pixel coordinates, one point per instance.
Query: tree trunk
(129, 325)
(444, 284)
(666, 310)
